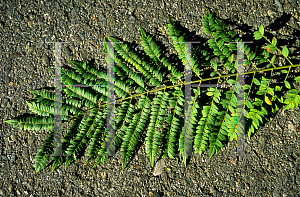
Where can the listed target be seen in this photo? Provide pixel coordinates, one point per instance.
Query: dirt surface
(273, 168)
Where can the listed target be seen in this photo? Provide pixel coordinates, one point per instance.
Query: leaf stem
(207, 79)
(278, 49)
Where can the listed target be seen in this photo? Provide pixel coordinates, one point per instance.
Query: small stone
(228, 177)
(131, 18)
(9, 187)
(159, 168)
(111, 189)
(11, 83)
(111, 21)
(101, 17)
(13, 113)
(277, 2)
(13, 157)
(291, 127)
(202, 184)
(4, 103)
(45, 60)
(138, 167)
(31, 138)
(30, 23)
(67, 52)
(13, 138)
(271, 13)
(247, 148)
(287, 6)
(297, 42)
(103, 174)
(212, 190)
(276, 193)
(25, 152)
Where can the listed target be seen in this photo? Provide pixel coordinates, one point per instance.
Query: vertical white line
(110, 120)
(57, 102)
(187, 100)
(240, 100)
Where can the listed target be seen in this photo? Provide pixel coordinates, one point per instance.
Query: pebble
(276, 193)
(101, 17)
(271, 13)
(10, 187)
(159, 168)
(277, 2)
(13, 138)
(4, 103)
(111, 21)
(103, 174)
(46, 60)
(287, 6)
(13, 157)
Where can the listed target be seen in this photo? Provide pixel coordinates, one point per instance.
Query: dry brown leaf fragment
(234, 161)
(159, 168)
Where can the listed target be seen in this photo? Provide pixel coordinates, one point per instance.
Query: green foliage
(146, 106)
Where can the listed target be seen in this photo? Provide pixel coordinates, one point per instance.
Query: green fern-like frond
(178, 39)
(135, 129)
(147, 106)
(42, 157)
(153, 51)
(156, 119)
(173, 120)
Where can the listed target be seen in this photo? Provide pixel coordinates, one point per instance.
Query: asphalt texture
(25, 26)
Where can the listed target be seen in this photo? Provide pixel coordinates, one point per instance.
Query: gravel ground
(273, 170)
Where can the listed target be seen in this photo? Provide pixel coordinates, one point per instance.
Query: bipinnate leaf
(151, 105)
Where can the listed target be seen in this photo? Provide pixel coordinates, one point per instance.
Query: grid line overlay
(240, 94)
(110, 120)
(57, 102)
(187, 106)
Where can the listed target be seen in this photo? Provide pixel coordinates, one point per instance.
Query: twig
(14, 94)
